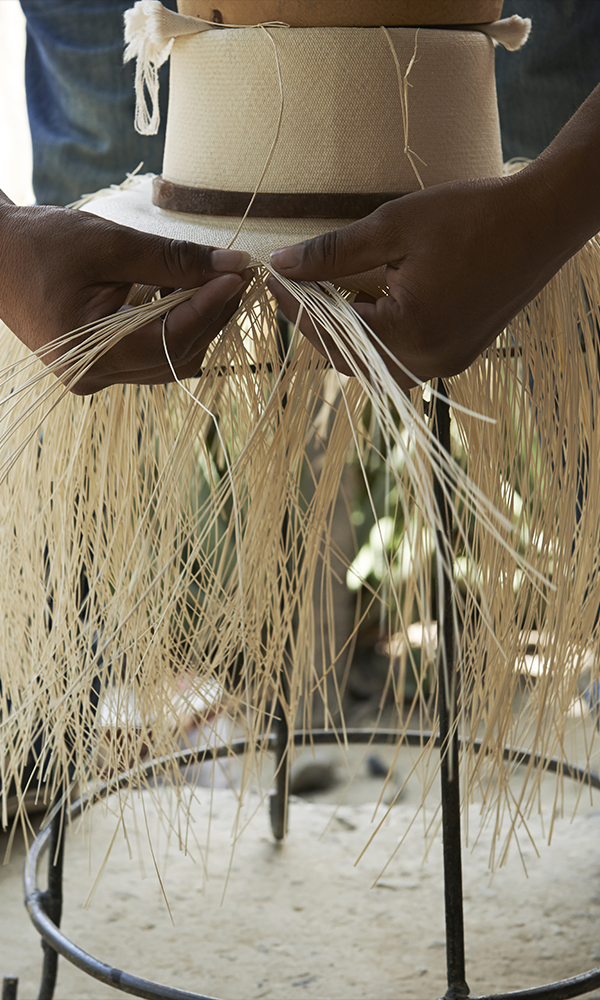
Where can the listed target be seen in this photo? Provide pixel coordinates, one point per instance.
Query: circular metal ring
(564, 989)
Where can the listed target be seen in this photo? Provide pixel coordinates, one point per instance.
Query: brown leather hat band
(208, 201)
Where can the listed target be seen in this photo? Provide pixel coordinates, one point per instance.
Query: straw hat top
(277, 134)
(344, 13)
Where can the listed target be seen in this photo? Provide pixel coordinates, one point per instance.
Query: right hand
(461, 260)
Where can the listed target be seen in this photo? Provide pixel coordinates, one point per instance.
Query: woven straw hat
(310, 118)
(279, 133)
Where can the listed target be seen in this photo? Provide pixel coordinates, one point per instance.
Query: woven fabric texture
(342, 123)
(342, 126)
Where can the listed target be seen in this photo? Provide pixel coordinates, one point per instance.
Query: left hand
(61, 269)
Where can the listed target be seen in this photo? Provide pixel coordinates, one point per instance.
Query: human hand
(461, 259)
(61, 269)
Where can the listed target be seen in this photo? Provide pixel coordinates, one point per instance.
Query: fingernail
(229, 260)
(283, 260)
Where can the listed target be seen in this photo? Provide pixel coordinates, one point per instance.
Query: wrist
(9, 232)
(567, 178)
(7, 208)
(7, 214)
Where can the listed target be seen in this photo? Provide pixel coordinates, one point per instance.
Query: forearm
(567, 174)
(7, 233)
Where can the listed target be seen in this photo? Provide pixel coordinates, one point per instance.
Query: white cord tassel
(511, 32)
(149, 32)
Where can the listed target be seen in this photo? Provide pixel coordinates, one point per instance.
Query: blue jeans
(80, 99)
(81, 103)
(543, 84)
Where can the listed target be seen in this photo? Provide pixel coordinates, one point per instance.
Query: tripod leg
(9, 988)
(278, 801)
(52, 901)
(448, 691)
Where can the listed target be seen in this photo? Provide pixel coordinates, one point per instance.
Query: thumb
(361, 246)
(133, 256)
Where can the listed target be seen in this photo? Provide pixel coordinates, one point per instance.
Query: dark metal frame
(45, 906)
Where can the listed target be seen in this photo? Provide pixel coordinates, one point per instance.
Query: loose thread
(403, 86)
(234, 501)
(273, 145)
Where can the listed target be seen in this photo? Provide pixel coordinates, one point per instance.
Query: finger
(126, 255)
(382, 316)
(389, 325)
(361, 246)
(136, 294)
(313, 332)
(180, 264)
(191, 326)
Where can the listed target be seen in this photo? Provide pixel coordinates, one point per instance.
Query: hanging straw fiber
(161, 546)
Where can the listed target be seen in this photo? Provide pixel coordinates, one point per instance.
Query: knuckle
(330, 247)
(176, 254)
(182, 257)
(322, 249)
(379, 228)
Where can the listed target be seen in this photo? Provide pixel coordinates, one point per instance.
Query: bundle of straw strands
(161, 545)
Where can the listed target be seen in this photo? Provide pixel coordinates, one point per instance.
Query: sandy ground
(303, 920)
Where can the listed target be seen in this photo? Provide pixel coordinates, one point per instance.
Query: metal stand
(9, 988)
(45, 907)
(51, 900)
(278, 801)
(120, 980)
(447, 703)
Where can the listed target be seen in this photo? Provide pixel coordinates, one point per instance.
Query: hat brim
(131, 205)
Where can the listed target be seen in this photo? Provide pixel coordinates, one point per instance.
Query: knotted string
(150, 29)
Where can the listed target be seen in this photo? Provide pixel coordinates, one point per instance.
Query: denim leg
(543, 84)
(80, 99)
(81, 104)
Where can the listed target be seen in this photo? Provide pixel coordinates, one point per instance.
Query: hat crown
(331, 110)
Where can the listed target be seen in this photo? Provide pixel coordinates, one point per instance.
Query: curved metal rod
(561, 990)
(52, 899)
